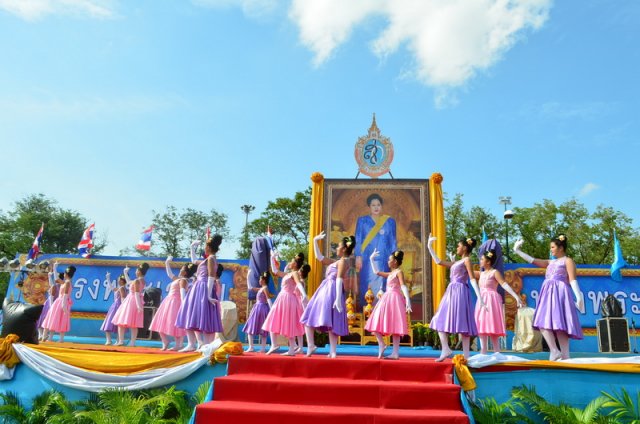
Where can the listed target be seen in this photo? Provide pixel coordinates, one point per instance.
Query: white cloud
(32, 10)
(587, 189)
(450, 41)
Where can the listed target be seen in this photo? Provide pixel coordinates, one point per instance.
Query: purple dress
(320, 313)
(196, 312)
(107, 325)
(47, 304)
(456, 311)
(257, 316)
(555, 309)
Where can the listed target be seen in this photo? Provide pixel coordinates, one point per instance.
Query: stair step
(338, 391)
(237, 411)
(351, 367)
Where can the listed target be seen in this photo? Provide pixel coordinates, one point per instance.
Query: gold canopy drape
(316, 225)
(436, 205)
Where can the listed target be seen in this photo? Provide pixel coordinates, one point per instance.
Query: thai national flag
(35, 248)
(86, 242)
(145, 239)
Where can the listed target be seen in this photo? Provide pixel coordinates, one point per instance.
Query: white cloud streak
(587, 189)
(450, 40)
(33, 10)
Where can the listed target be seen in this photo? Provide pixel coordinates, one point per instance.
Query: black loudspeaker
(144, 333)
(152, 296)
(613, 335)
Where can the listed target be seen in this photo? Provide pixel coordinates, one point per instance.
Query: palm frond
(623, 406)
(201, 394)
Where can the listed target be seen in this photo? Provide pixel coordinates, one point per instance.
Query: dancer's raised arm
(542, 263)
(318, 252)
(433, 253)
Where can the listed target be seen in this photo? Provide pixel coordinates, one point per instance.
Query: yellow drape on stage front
(436, 206)
(316, 225)
(113, 362)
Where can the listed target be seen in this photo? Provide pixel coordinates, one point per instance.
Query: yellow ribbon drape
(316, 225)
(222, 353)
(114, 362)
(436, 207)
(8, 356)
(464, 375)
(374, 231)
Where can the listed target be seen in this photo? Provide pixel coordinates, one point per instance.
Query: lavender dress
(196, 312)
(47, 304)
(555, 309)
(456, 311)
(320, 313)
(107, 325)
(257, 316)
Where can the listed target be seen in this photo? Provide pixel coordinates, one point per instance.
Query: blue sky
(116, 108)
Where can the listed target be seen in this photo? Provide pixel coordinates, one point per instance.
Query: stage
(576, 381)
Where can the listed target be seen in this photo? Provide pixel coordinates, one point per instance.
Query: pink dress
(127, 314)
(389, 316)
(165, 319)
(490, 321)
(284, 316)
(58, 320)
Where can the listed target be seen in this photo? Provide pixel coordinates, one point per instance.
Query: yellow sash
(374, 231)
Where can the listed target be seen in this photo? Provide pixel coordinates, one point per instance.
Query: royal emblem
(374, 153)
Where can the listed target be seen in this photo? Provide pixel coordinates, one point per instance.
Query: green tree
(288, 219)
(63, 229)
(175, 229)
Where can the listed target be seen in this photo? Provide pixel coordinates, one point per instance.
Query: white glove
(211, 281)
(452, 256)
(138, 301)
(125, 272)
(578, 294)
(55, 269)
(380, 293)
(194, 246)
(222, 287)
(372, 259)
(316, 248)
(274, 268)
(509, 290)
(300, 288)
(476, 289)
(167, 267)
(407, 299)
(183, 294)
(338, 303)
(516, 248)
(435, 257)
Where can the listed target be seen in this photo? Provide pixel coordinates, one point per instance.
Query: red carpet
(349, 389)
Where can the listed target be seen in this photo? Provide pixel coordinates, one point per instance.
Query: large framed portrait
(384, 215)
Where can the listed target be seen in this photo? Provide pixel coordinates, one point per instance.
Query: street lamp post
(247, 209)
(508, 214)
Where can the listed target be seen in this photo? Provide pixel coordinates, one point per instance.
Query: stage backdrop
(92, 296)
(387, 215)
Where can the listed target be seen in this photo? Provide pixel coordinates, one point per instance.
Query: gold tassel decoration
(220, 356)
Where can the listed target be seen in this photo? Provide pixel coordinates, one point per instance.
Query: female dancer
(130, 313)
(58, 319)
(54, 289)
(199, 312)
(284, 316)
(556, 315)
(389, 316)
(119, 293)
(259, 312)
(304, 300)
(455, 313)
(165, 318)
(326, 310)
(490, 320)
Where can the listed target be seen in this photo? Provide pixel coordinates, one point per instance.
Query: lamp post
(508, 214)
(247, 209)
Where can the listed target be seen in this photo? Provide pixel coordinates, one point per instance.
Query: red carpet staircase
(353, 390)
